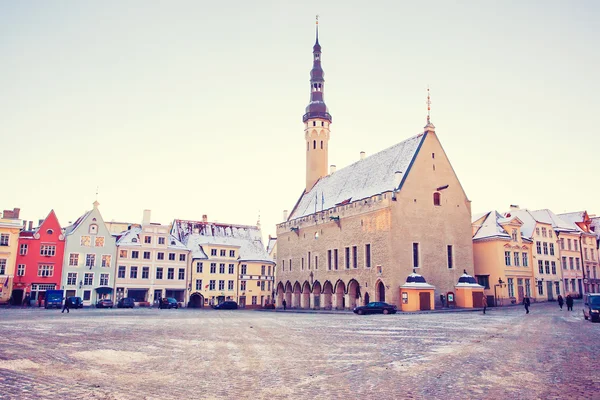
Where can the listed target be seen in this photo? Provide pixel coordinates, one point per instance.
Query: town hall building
(357, 233)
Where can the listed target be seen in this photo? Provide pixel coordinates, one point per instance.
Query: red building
(39, 261)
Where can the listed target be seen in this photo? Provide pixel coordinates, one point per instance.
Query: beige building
(151, 264)
(356, 233)
(228, 262)
(10, 226)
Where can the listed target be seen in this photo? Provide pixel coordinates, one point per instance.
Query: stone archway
(340, 290)
(296, 295)
(353, 293)
(327, 295)
(305, 299)
(196, 301)
(279, 295)
(367, 299)
(316, 297)
(288, 294)
(380, 291)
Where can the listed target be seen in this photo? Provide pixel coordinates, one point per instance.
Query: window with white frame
(121, 272)
(47, 250)
(73, 259)
(171, 273)
(146, 255)
(547, 265)
(564, 262)
(182, 257)
(537, 231)
(23, 249)
(72, 278)
(99, 241)
(2, 266)
(222, 253)
(517, 260)
(21, 270)
(199, 267)
(545, 248)
(511, 287)
(145, 272)
(85, 241)
(159, 273)
(90, 260)
(229, 285)
(161, 240)
(575, 244)
(4, 239)
(231, 253)
(160, 256)
(135, 254)
(540, 288)
(231, 268)
(544, 230)
(514, 235)
(551, 249)
(242, 285)
(222, 268)
(244, 269)
(171, 256)
(148, 239)
(577, 265)
(133, 272)
(557, 285)
(198, 284)
(106, 258)
(507, 258)
(122, 253)
(553, 267)
(213, 252)
(213, 268)
(221, 285)
(525, 260)
(528, 287)
(538, 246)
(540, 266)
(103, 279)
(181, 274)
(88, 279)
(211, 285)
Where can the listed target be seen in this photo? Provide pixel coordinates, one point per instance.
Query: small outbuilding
(416, 294)
(469, 294)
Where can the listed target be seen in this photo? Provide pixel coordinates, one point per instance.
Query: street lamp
(501, 284)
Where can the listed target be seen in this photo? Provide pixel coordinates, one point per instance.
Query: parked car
(168, 302)
(226, 305)
(376, 307)
(126, 302)
(75, 302)
(54, 298)
(104, 303)
(591, 307)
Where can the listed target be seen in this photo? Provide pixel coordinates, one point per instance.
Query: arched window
(322, 123)
(93, 229)
(321, 145)
(314, 123)
(314, 144)
(437, 199)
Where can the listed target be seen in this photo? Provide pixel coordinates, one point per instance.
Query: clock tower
(316, 122)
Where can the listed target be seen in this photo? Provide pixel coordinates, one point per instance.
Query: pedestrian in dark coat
(484, 303)
(66, 306)
(284, 304)
(526, 303)
(569, 303)
(560, 301)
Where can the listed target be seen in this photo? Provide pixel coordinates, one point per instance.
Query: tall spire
(429, 126)
(316, 108)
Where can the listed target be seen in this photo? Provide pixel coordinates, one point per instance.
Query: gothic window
(321, 145)
(314, 123)
(437, 199)
(322, 123)
(314, 144)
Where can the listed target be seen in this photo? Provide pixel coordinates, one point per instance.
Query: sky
(189, 108)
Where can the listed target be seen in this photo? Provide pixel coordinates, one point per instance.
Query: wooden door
(424, 301)
(521, 294)
(477, 299)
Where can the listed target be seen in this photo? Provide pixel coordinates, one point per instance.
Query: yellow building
(502, 257)
(10, 226)
(228, 262)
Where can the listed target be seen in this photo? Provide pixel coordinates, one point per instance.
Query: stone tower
(316, 122)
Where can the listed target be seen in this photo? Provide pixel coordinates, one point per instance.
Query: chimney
(332, 169)
(285, 215)
(30, 225)
(362, 155)
(205, 218)
(146, 218)
(514, 207)
(24, 225)
(397, 179)
(40, 221)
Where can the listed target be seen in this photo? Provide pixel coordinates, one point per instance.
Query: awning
(104, 290)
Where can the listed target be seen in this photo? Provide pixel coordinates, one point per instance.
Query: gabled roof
(577, 219)
(595, 226)
(271, 245)
(69, 229)
(548, 217)
(490, 228)
(195, 234)
(363, 179)
(126, 238)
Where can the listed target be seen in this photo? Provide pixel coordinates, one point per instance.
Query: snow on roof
(130, 237)
(558, 223)
(195, 234)
(528, 220)
(271, 245)
(69, 229)
(490, 228)
(364, 178)
(475, 217)
(595, 226)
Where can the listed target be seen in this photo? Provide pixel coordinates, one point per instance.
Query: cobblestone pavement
(208, 354)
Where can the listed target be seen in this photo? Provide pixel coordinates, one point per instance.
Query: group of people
(569, 302)
(527, 303)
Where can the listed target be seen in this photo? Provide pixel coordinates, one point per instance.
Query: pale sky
(195, 107)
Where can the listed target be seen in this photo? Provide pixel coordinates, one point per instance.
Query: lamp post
(500, 283)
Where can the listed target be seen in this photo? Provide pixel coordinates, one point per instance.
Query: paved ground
(181, 354)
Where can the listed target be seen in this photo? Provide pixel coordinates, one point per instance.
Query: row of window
(88, 279)
(575, 244)
(516, 257)
(264, 270)
(45, 250)
(588, 272)
(549, 266)
(145, 273)
(90, 260)
(86, 241)
(146, 255)
(44, 270)
(230, 285)
(148, 239)
(222, 253)
(572, 265)
(545, 232)
(539, 246)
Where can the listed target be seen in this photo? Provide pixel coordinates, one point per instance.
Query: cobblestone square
(207, 354)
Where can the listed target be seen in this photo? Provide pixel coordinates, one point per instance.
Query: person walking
(66, 306)
(569, 303)
(484, 303)
(560, 301)
(526, 303)
(284, 304)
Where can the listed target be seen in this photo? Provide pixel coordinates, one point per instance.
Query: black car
(126, 302)
(168, 302)
(226, 305)
(591, 307)
(75, 302)
(376, 307)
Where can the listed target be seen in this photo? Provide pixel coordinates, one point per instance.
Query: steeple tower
(316, 121)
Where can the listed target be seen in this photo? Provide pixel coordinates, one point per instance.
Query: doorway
(17, 297)
(367, 301)
(381, 291)
(549, 288)
(424, 301)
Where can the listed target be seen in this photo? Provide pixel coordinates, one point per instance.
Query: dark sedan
(226, 305)
(168, 302)
(126, 302)
(104, 303)
(376, 307)
(75, 302)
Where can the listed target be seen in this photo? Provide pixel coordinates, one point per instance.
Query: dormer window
(93, 229)
(134, 240)
(514, 235)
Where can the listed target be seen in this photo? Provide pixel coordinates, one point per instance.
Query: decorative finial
(465, 272)
(317, 26)
(428, 107)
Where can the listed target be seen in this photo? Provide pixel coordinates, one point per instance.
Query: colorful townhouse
(547, 273)
(10, 225)
(88, 266)
(229, 262)
(568, 237)
(588, 248)
(502, 258)
(40, 261)
(151, 264)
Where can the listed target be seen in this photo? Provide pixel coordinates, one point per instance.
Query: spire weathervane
(428, 107)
